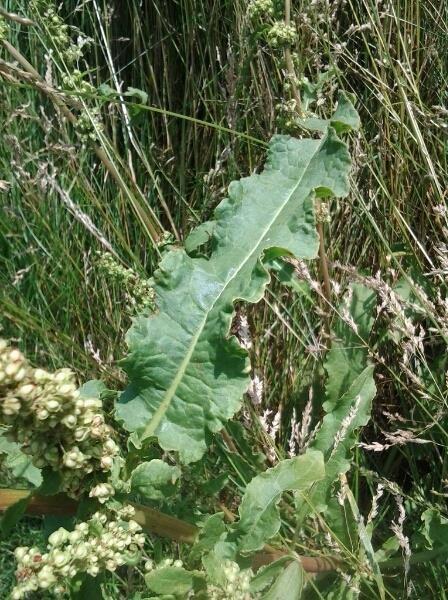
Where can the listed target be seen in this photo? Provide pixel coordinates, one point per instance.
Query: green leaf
(259, 516)
(135, 92)
(388, 548)
(20, 464)
(344, 119)
(348, 355)
(154, 479)
(215, 485)
(343, 525)
(107, 91)
(350, 389)
(288, 585)
(187, 375)
(285, 273)
(92, 389)
(266, 575)
(435, 528)
(12, 516)
(170, 580)
(199, 236)
(213, 530)
(310, 89)
(51, 482)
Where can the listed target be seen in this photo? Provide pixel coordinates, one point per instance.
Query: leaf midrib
(169, 394)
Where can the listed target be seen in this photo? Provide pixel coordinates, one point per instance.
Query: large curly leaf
(187, 376)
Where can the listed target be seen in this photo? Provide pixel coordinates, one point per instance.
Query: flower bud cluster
(281, 35)
(4, 28)
(166, 562)
(89, 125)
(103, 543)
(56, 30)
(236, 584)
(139, 294)
(102, 492)
(260, 8)
(287, 116)
(323, 214)
(74, 81)
(53, 424)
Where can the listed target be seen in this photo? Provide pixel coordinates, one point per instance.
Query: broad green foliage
(266, 575)
(154, 479)
(187, 375)
(350, 390)
(259, 516)
(170, 580)
(12, 516)
(348, 355)
(288, 585)
(435, 528)
(345, 117)
(20, 464)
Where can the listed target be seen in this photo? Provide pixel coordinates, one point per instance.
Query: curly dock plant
(187, 375)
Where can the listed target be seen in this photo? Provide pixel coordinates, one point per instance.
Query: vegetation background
(188, 92)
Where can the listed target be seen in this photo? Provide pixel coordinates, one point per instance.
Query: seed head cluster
(281, 35)
(236, 584)
(54, 425)
(138, 293)
(3, 28)
(106, 541)
(57, 31)
(260, 8)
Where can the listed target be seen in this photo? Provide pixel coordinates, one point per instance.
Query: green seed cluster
(57, 31)
(74, 81)
(281, 35)
(4, 28)
(323, 214)
(236, 584)
(53, 424)
(106, 541)
(166, 562)
(139, 295)
(286, 113)
(260, 8)
(89, 125)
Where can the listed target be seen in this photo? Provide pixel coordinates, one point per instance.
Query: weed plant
(174, 100)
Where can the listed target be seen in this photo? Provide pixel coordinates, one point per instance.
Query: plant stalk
(289, 62)
(323, 261)
(324, 272)
(158, 523)
(10, 16)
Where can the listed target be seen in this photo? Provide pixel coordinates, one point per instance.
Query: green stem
(289, 62)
